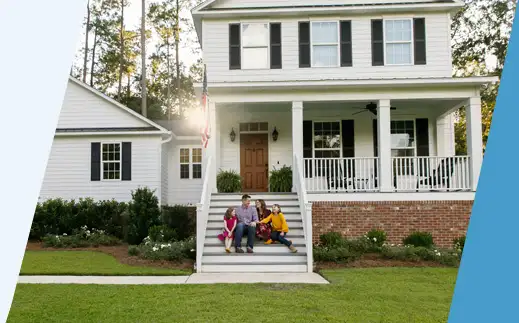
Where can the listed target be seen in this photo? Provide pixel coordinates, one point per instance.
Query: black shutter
(95, 161)
(126, 161)
(377, 42)
(307, 146)
(346, 45)
(422, 142)
(375, 150)
(304, 44)
(348, 145)
(275, 46)
(234, 47)
(420, 51)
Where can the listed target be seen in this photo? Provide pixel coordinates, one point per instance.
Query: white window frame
(325, 149)
(414, 147)
(411, 42)
(338, 44)
(120, 162)
(190, 162)
(242, 48)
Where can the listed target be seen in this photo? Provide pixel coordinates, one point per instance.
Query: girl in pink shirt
(229, 224)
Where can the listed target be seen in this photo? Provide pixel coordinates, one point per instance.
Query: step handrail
(202, 213)
(306, 210)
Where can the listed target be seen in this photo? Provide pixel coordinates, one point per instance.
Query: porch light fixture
(232, 135)
(275, 134)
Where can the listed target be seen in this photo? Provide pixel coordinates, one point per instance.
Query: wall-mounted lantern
(232, 135)
(275, 134)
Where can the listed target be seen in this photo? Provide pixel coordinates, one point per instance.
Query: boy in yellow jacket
(279, 227)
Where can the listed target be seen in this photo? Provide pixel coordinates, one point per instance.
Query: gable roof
(118, 105)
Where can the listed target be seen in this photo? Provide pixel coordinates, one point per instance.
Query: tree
(88, 26)
(480, 34)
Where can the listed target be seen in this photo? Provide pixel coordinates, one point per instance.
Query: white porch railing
(202, 213)
(357, 174)
(306, 211)
(431, 173)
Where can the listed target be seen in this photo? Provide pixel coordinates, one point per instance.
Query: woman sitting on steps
(263, 230)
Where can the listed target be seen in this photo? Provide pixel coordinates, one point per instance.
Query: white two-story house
(357, 97)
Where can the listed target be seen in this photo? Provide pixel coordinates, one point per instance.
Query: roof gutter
(168, 139)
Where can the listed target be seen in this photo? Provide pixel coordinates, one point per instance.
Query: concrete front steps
(266, 258)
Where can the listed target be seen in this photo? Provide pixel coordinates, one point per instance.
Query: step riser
(254, 269)
(215, 241)
(258, 250)
(222, 209)
(257, 196)
(219, 224)
(212, 232)
(236, 204)
(253, 259)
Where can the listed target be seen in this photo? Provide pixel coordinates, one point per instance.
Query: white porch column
(384, 145)
(297, 135)
(212, 145)
(474, 139)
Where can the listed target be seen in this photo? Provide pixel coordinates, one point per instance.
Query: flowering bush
(376, 237)
(412, 253)
(80, 239)
(419, 239)
(171, 251)
(459, 244)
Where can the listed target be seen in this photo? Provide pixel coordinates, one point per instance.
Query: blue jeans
(276, 236)
(242, 228)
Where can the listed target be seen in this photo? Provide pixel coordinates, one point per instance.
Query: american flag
(204, 130)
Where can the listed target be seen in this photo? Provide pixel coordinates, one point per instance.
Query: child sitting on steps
(229, 222)
(279, 227)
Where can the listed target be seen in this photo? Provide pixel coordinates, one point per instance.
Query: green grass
(355, 295)
(85, 263)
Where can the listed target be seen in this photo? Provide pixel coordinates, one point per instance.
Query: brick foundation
(445, 220)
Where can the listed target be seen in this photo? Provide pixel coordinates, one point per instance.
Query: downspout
(162, 142)
(168, 139)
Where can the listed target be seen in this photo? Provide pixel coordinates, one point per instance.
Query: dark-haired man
(247, 219)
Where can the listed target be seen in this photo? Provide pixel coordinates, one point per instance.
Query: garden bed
(376, 261)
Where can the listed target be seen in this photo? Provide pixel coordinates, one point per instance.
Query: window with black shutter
(275, 46)
(234, 47)
(304, 44)
(377, 42)
(346, 44)
(307, 147)
(420, 50)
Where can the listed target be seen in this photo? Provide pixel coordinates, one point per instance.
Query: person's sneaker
(292, 248)
(269, 241)
(227, 250)
(249, 250)
(239, 250)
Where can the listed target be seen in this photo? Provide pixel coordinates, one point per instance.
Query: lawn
(85, 263)
(355, 295)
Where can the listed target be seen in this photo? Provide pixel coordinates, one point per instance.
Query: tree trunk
(121, 53)
(168, 92)
(177, 60)
(144, 110)
(85, 54)
(92, 64)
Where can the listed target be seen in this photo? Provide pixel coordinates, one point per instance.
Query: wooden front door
(254, 162)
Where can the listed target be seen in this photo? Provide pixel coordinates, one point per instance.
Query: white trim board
(390, 197)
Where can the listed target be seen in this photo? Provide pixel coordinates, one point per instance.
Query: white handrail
(306, 211)
(202, 214)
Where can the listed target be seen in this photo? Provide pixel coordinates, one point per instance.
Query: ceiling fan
(372, 107)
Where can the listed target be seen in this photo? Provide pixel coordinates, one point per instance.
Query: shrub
(331, 239)
(377, 237)
(144, 213)
(280, 180)
(411, 253)
(81, 239)
(419, 239)
(179, 218)
(54, 216)
(459, 244)
(115, 217)
(334, 254)
(172, 251)
(228, 182)
(162, 233)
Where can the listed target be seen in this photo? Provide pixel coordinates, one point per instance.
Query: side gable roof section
(152, 125)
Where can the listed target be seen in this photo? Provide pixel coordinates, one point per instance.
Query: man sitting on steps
(247, 219)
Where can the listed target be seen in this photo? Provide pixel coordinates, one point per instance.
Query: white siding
(216, 53)
(164, 170)
(280, 152)
(181, 191)
(84, 109)
(281, 3)
(68, 170)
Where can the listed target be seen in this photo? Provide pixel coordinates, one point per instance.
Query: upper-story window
(255, 46)
(398, 42)
(325, 44)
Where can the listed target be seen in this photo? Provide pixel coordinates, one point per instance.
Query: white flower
(374, 239)
(169, 245)
(57, 237)
(155, 249)
(64, 234)
(162, 246)
(192, 250)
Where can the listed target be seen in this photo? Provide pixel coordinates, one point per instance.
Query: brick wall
(445, 220)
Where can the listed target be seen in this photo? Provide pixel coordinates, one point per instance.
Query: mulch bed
(375, 260)
(120, 252)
